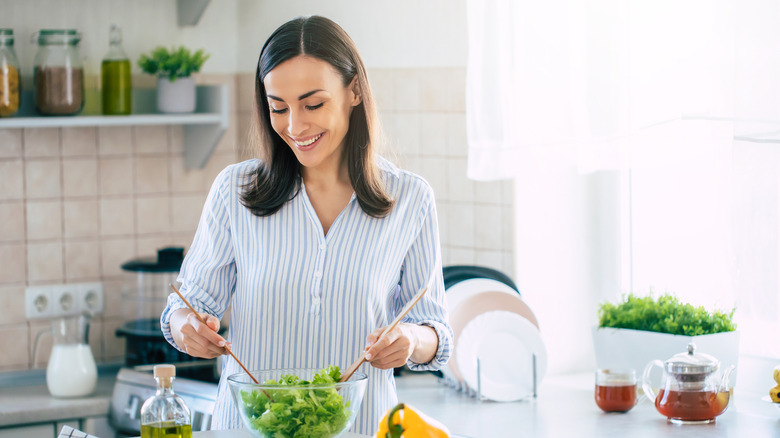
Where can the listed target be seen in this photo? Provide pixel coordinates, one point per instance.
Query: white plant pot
(624, 348)
(177, 96)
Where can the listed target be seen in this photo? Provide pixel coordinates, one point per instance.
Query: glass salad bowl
(297, 402)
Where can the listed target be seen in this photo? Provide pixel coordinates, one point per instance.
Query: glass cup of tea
(616, 390)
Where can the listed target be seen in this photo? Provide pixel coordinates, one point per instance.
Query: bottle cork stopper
(164, 371)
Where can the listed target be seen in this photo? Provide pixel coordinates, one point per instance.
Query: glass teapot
(71, 371)
(692, 391)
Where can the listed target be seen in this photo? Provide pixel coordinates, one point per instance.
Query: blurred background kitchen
(613, 163)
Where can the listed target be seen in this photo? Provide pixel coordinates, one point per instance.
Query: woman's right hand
(194, 337)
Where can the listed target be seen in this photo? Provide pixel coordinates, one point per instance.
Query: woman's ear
(355, 88)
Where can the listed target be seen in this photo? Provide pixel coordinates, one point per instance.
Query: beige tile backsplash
(76, 203)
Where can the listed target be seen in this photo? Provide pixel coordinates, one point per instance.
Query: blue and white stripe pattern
(302, 299)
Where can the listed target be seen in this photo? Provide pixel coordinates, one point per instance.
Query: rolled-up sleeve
(208, 272)
(422, 267)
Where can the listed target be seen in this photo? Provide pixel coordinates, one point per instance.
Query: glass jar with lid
(10, 79)
(58, 72)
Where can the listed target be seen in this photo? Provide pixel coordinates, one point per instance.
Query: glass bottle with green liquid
(165, 415)
(115, 77)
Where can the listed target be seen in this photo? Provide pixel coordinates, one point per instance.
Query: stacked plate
(494, 327)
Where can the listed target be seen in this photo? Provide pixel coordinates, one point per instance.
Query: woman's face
(309, 108)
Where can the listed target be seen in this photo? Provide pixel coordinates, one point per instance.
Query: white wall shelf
(202, 129)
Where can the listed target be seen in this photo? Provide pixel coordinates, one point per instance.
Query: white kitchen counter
(565, 408)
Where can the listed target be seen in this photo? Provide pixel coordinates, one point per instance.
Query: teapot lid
(691, 362)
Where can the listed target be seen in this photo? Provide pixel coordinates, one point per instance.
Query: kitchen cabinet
(37, 431)
(97, 426)
(202, 129)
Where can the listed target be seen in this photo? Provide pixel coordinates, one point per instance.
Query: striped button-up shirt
(300, 298)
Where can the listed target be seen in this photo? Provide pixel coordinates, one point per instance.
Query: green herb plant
(173, 64)
(664, 315)
(304, 410)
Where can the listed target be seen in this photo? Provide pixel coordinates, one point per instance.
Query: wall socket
(52, 301)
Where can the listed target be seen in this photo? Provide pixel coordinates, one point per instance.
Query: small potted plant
(175, 85)
(638, 330)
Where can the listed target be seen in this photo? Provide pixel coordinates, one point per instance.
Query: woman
(318, 246)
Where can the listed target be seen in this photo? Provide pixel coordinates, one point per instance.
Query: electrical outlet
(90, 298)
(38, 302)
(64, 299)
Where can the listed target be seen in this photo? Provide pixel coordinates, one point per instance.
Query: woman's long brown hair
(277, 179)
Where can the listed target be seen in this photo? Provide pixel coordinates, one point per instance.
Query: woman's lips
(308, 144)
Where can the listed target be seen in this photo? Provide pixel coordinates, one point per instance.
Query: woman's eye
(278, 111)
(314, 107)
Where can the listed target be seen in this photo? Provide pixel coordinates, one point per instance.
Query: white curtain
(684, 94)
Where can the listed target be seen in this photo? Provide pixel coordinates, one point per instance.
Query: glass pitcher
(71, 371)
(692, 391)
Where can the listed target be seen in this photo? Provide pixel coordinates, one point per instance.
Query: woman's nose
(297, 123)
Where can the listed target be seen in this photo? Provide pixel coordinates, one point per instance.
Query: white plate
(463, 290)
(504, 342)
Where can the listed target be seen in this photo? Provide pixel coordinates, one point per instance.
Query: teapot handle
(646, 386)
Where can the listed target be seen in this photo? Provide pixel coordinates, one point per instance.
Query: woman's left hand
(406, 341)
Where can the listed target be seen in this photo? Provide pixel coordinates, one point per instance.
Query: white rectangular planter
(624, 348)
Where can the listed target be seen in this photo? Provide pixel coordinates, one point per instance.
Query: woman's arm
(406, 342)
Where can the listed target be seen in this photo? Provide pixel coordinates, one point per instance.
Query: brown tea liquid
(691, 405)
(615, 398)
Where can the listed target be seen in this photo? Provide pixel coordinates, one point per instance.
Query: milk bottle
(71, 371)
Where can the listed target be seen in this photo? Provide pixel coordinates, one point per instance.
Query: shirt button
(322, 247)
(317, 274)
(316, 301)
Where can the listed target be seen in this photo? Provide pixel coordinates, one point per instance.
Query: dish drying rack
(477, 392)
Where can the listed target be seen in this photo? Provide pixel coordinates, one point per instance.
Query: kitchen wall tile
(433, 134)
(488, 192)
(406, 83)
(44, 262)
(182, 239)
(508, 228)
(457, 140)
(186, 212)
(434, 95)
(217, 164)
(117, 217)
(41, 142)
(460, 187)
(228, 141)
(436, 175)
(184, 179)
(405, 133)
(153, 215)
(12, 301)
(488, 229)
(245, 92)
(43, 179)
(150, 139)
(455, 78)
(113, 291)
(176, 139)
(147, 246)
(79, 177)
(13, 342)
(489, 258)
(461, 223)
(115, 140)
(508, 193)
(116, 175)
(82, 261)
(10, 143)
(12, 263)
(246, 144)
(382, 86)
(13, 221)
(80, 218)
(113, 346)
(11, 179)
(508, 265)
(79, 142)
(113, 253)
(151, 175)
(461, 256)
(40, 353)
(44, 220)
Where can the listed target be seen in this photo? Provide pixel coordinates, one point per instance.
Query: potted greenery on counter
(637, 330)
(174, 69)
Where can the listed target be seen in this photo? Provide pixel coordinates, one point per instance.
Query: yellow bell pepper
(774, 393)
(412, 424)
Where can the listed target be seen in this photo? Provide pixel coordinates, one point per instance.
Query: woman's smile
(307, 143)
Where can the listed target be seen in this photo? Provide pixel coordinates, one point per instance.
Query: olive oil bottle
(115, 77)
(165, 415)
